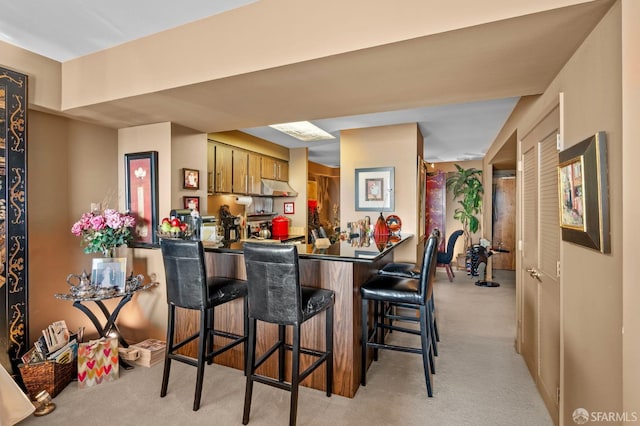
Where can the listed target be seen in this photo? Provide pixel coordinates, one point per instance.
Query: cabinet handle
(246, 184)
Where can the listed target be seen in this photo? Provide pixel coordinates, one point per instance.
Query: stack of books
(151, 352)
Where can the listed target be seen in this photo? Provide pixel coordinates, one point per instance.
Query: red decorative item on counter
(381, 228)
(279, 227)
(382, 240)
(394, 223)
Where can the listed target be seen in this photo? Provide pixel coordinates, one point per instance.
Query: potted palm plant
(466, 184)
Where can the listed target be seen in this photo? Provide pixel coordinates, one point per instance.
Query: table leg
(110, 324)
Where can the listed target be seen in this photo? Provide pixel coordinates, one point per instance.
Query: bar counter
(342, 267)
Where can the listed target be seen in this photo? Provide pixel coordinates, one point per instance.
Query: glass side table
(97, 297)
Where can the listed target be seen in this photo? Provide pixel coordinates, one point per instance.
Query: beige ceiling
(509, 58)
(503, 59)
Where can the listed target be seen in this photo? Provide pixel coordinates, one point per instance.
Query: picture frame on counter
(109, 272)
(190, 179)
(141, 195)
(374, 189)
(583, 189)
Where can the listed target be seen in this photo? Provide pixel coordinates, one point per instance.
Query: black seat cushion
(223, 290)
(392, 289)
(407, 270)
(315, 300)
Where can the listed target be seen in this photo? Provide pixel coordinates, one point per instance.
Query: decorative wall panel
(14, 325)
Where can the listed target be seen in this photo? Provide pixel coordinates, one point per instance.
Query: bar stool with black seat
(276, 296)
(411, 270)
(189, 287)
(412, 292)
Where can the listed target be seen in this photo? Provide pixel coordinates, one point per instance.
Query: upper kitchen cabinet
(253, 179)
(234, 170)
(246, 172)
(240, 172)
(275, 169)
(223, 170)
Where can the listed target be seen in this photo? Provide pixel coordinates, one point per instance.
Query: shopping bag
(98, 362)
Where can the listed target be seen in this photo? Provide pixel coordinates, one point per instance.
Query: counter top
(354, 250)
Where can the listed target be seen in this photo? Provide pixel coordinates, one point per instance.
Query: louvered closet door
(540, 334)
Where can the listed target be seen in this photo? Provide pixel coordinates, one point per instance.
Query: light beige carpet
(480, 380)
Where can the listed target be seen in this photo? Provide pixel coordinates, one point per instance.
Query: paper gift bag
(98, 362)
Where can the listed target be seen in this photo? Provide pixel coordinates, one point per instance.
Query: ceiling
(458, 112)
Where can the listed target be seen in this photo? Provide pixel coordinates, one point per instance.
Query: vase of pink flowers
(104, 232)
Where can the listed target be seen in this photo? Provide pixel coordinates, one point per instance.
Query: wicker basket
(49, 376)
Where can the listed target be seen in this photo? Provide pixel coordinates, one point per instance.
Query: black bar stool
(276, 296)
(401, 291)
(189, 287)
(411, 270)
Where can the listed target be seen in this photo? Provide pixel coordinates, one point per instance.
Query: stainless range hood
(277, 188)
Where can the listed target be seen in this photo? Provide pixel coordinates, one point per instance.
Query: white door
(540, 292)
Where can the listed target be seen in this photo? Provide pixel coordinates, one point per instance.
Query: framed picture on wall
(583, 188)
(289, 208)
(190, 179)
(374, 189)
(141, 187)
(191, 203)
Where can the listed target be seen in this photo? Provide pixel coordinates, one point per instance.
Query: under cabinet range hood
(277, 188)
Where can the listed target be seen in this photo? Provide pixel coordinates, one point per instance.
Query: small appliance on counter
(280, 227)
(230, 224)
(259, 228)
(209, 229)
(182, 214)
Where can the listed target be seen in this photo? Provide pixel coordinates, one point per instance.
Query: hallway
(479, 380)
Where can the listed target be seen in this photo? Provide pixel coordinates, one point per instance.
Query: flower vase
(110, 252)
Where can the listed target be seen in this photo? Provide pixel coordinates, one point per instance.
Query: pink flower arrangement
(101, 233)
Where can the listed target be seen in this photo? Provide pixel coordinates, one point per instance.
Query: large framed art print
(583, 187)
(141, 186)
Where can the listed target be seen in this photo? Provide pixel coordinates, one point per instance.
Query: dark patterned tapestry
(13, 222)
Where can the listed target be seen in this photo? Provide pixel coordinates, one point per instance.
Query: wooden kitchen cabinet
(275, 169)
(283, 170)
(211, 166)
(223, 171)
(240, 171)
(253, 178)
(234, 170)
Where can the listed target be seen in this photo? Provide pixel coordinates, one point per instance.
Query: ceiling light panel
(303, 130)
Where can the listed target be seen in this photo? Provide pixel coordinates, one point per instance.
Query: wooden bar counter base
(343, 268)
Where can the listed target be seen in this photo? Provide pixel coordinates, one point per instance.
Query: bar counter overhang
(343, 267)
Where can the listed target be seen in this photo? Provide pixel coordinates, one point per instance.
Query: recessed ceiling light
(303, 130)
